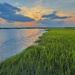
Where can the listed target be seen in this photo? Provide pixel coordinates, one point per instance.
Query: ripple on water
(15, 41)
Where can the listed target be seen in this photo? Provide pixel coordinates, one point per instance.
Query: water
(13, 41)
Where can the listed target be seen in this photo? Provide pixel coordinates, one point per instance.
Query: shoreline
(31, 40)
(53, 55)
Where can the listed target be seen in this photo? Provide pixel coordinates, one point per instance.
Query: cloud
(70, 20)
(53, 23)
(39, 1)
(17, 4)
(8, 12)
(35, 12)
(27, 24)
(2, 21)
(24, 23)
(63, 1)
(54, 15)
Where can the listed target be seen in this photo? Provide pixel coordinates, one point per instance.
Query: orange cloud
(35, 12)
(38, 11)
(30, 24)
(68, 20)
(27, 24)
(2, 21)
(19, 23)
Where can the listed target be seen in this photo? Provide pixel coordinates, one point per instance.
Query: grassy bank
(54, 55)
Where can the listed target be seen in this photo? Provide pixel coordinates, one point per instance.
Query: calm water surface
(13, 41)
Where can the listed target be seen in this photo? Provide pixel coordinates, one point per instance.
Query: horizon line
(32, 27)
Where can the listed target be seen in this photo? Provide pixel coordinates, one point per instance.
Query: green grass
(54, 55)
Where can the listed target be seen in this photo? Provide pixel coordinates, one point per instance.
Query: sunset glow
(37, 12)
(2, 21)
(25, 23)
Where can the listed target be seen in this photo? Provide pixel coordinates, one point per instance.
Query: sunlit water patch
(13, 41)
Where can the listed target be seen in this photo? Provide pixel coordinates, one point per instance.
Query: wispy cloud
(40, 1)
(17, 4)
(63, 1)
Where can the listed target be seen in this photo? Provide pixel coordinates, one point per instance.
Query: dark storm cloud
(8, 12)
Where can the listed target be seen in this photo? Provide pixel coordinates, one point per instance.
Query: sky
(46, 13)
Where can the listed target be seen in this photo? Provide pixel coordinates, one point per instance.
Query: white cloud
(17, 4)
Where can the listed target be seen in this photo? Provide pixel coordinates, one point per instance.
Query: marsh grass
(54, 55)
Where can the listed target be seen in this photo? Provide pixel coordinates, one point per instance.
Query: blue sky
(50, 13)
